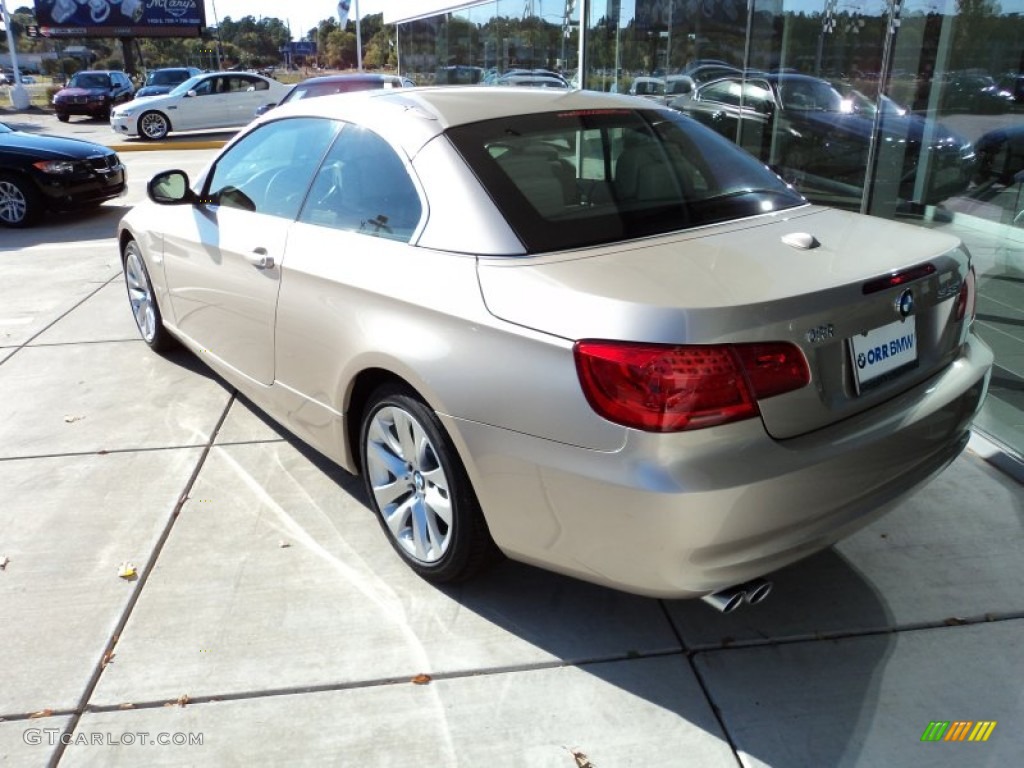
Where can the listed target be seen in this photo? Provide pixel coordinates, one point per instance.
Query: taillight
(663, 388)
(966, 303)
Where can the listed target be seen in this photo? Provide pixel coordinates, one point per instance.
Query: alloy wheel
(140, 293)
(153, 125)
(13, 203)
(409, 484)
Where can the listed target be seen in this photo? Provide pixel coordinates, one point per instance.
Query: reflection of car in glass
(92, 93)
(212, 100)
(819, 139)
(331, 84)
(160, 81)
(651, 87)
(974, 93)
(1000, 154)
(40, 173)
(459, 74)
(579, 327)
(533, 78)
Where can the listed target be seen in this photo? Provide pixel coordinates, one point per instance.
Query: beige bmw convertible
(575, 328)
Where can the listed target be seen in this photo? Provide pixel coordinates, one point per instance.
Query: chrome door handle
(259, 259)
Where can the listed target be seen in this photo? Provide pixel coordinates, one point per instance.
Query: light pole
(216, 24)
(19, 94)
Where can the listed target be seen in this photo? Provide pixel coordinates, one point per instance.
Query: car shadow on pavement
(743, 660)
(98, 223)
(819, 644)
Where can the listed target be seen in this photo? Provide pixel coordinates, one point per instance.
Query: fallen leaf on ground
(182, 700)
(108, 657)
(3, 562)
(954, 621)
(127, 571)
(126, 705)
(73, 419)
(41, 713)
(421, 680)
(582, 761)
(283, 544)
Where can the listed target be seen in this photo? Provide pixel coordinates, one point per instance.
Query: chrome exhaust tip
(725, 600)
(757, 590)
(729, 599)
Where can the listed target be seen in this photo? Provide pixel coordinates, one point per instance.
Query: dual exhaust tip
(729, 599)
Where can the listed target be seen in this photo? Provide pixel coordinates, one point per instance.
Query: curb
(160, 146)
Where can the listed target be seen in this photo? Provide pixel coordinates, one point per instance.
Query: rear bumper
(685, 514)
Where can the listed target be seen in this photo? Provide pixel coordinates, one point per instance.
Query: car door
(246, 93)
(223, 257)
(208, 108)
(345, 254)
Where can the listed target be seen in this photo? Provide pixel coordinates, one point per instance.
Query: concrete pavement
(271, 624)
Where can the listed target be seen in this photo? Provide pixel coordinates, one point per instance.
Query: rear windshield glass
(577, 178)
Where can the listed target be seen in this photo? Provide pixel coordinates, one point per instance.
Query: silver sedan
(575, 328)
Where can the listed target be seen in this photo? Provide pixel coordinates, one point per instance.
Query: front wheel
(420, 491)
(153, 126)
(63, 118)
(143, 300)
(19, 202)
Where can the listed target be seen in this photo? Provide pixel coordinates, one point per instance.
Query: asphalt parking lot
(270, 623)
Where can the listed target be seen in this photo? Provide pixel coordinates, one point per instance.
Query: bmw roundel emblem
(905, 303)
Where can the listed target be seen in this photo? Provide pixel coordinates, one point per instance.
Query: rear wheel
(419, 489)
(143, 300)
(154, 126)
(19, 202)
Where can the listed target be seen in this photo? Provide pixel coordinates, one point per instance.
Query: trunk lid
(742, 282)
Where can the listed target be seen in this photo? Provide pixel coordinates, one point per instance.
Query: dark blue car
(819, 138)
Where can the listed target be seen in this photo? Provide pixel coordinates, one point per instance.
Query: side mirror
(190, 94)
(171, 188)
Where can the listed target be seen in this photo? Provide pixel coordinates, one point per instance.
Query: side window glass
(363, 186)
(205, 88)
(270, 170)
(724, 91)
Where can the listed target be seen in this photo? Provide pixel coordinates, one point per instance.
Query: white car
(210, 100)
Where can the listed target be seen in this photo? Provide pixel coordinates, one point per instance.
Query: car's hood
(151, 101)
(154, 90)
(82, 92)
(54, 147)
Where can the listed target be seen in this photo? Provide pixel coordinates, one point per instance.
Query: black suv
(93, 93)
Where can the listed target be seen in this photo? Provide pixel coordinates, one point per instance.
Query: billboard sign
(120, 18)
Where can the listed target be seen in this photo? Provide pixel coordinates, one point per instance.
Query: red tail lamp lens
(966, 303)
(662, 388)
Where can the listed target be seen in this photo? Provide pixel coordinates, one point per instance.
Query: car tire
(142, 298)
(20, 203)
(63, 118)
(154, 126)
(412, 495)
